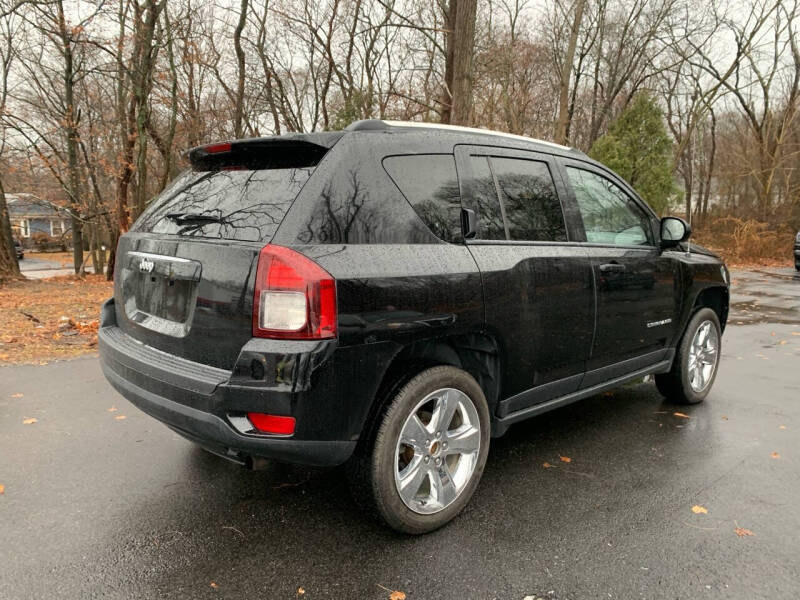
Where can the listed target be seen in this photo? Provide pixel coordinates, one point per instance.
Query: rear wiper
(187, 218)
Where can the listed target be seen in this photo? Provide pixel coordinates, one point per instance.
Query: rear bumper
(195, 399)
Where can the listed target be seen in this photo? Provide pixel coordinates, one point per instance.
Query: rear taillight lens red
(277, 424)
(294, 299)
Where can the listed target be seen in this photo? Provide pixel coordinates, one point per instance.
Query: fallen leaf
(796, 333)
(29, 420)
(547, 465)
(393, 595)
(119, 417)
(782, 427)
(775, 455)
(2, 489)
(113, 409)
(681, 415)
(724, 418)
(17, 395)
(565, 459)
(772, 334)
(301, 591)
(699, 510)
(214, 585)
(783, 342)
(742, 532)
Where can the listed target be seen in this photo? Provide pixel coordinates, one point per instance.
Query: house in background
(37, 222)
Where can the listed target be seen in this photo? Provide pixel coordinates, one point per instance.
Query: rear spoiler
(277, 152)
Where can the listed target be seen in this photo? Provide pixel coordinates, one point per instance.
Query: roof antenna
(689, 207)
(689, 239)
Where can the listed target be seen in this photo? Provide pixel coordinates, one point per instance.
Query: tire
(444, 478)
(684, 384)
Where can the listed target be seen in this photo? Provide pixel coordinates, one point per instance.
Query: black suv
(18, 249)
(394, 295)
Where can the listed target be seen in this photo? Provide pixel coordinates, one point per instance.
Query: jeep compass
(393, 296)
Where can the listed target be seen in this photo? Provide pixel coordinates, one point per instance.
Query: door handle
(612, 268)
(469, 223)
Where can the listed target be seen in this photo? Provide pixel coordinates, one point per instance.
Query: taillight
(295, 298)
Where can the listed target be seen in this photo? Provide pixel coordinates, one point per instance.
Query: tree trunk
(71, 131)
(9, 266)
(141, 89)
(459, 50)
(463, 49)
(710, 164)
(449, 48)
(562, 125)
(238, 109)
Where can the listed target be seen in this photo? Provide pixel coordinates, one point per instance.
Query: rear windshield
(228, 204)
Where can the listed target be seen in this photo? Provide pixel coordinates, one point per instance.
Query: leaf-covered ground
(50, 319)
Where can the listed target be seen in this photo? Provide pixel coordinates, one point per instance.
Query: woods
(98, 100)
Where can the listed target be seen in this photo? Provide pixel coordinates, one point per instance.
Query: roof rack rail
(384, 125)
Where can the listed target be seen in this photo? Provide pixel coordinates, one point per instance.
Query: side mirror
(674, 231)
(469, 223)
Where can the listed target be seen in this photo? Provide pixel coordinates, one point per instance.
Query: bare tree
(764, 82)
(142, 64)
(561, 129)
(9, 267)
(53, 70)
(459, 48)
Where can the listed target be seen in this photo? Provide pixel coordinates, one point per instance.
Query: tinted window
(429, 182)
(235, 205)
(484, 193)
(529, 198)
(352, 200)
(609, 215)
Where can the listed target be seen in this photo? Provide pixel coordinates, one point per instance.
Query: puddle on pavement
(765, 296)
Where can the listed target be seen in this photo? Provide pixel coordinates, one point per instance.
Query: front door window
(609, 215)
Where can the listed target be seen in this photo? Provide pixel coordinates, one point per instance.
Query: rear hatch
(185, 272)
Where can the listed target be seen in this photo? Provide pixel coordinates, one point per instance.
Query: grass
(746, 242)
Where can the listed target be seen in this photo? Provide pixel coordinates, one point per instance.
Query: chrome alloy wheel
(437, 451)
(703, 356)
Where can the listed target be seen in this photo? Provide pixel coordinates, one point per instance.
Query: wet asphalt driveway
(99, 506)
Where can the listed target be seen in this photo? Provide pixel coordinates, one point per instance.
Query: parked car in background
(18, 249)
(395, 295)
(797, 251)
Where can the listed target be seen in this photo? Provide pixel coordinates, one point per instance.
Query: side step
(501, 425)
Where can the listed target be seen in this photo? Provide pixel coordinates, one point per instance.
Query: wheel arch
(717, 298)
(475, 353)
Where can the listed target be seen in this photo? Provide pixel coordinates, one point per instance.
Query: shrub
(638, 148)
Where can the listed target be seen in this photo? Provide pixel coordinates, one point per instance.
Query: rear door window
(491, 225)
(516, 200)
(245, 205)
(430, 184)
